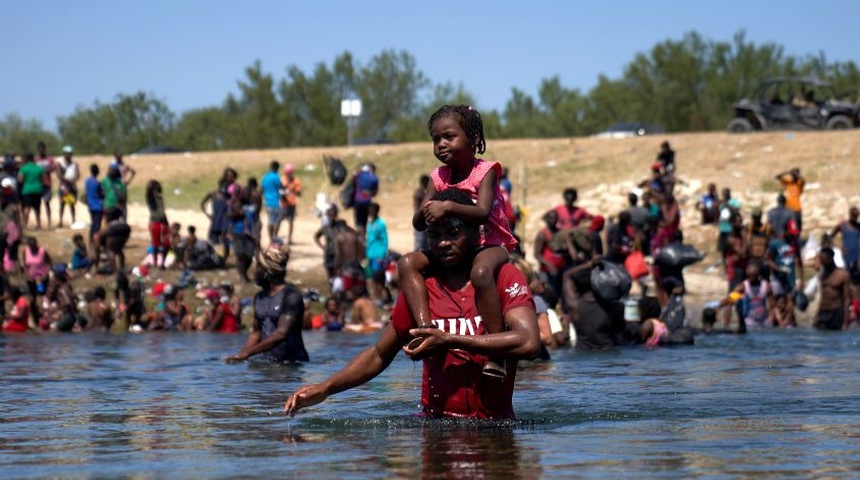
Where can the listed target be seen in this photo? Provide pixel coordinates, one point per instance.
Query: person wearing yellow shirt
(292, 190)
(792, 184)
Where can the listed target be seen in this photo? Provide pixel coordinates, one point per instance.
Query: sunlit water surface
(771, 404)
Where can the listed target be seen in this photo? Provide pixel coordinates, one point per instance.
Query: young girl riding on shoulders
(458, 135)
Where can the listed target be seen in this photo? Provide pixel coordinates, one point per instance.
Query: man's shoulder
(512, 284)
(843, 274)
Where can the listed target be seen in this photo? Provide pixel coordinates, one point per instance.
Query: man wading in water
(456, 347)
(276, 335)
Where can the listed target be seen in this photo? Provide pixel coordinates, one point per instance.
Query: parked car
(629, 130)
(794, 103)
(156, 149)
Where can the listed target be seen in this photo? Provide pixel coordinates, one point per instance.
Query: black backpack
(347, 195)
(336, 170)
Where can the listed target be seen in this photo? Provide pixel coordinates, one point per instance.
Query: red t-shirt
(555, 259)
(453, 384)
(21, 309)
(228, 322)
(570, 217)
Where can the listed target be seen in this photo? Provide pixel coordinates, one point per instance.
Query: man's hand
(424, 342)
(305, 397)
(235, 358)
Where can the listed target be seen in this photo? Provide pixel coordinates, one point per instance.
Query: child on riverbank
(458, 135)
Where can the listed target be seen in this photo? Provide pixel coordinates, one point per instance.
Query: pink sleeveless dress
(497, 230)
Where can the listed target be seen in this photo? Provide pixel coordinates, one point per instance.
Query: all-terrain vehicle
(789, 103)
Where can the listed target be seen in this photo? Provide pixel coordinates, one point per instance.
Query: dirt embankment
(602, 170)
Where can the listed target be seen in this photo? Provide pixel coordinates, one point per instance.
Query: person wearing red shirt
(222, 318)
(569, 215)
(17, 320)
(456, 346)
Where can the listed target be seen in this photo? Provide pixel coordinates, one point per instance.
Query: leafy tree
(129, 123)
(18, 135)
(522, 116)
(203, 129)
(263, 118)
(312, 103)
(413, 128)
(389, 88)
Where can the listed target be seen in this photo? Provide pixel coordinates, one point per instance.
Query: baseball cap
(68, 149)
(288, 168)
(7, 183)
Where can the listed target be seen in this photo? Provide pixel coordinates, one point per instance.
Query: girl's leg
(485, 271)
(410, 267)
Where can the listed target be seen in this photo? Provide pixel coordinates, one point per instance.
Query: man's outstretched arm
(361, 369)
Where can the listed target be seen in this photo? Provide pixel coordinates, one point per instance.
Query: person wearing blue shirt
(272, 186)
(95, 200)
(376, 251)
(366, 186)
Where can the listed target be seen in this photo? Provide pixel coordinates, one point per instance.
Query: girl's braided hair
(469, 120)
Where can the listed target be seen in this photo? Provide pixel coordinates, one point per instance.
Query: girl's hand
(434, 210)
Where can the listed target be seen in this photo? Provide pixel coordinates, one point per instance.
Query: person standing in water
(834, 310)
(458, 135)
(276, 334)
(456, 346)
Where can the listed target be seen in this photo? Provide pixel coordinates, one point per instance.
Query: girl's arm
(481, 210)
(477, 213)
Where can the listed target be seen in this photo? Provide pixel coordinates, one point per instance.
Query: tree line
(688, 84)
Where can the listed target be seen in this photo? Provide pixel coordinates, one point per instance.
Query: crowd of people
(42, 287)
(467, 284)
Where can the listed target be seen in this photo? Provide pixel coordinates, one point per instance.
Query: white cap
(7, 183)
(68, 149)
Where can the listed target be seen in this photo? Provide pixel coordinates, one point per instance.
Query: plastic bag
(579, 236)
(635, 265)
(801, 301)
(677, 255)
(336, 170)
(610, 282)
(810, 248)
(674, 315)
(347, 195)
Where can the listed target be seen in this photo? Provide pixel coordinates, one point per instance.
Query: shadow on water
(772, 403)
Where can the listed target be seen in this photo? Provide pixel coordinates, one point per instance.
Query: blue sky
(61, 54)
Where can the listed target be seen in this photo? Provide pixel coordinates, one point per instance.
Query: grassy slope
(540, 169)
(602, 170)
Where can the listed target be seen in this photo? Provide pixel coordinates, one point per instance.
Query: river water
(770, 404)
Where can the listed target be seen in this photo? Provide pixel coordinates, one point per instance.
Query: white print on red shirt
(460, 326)
(516, 290)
